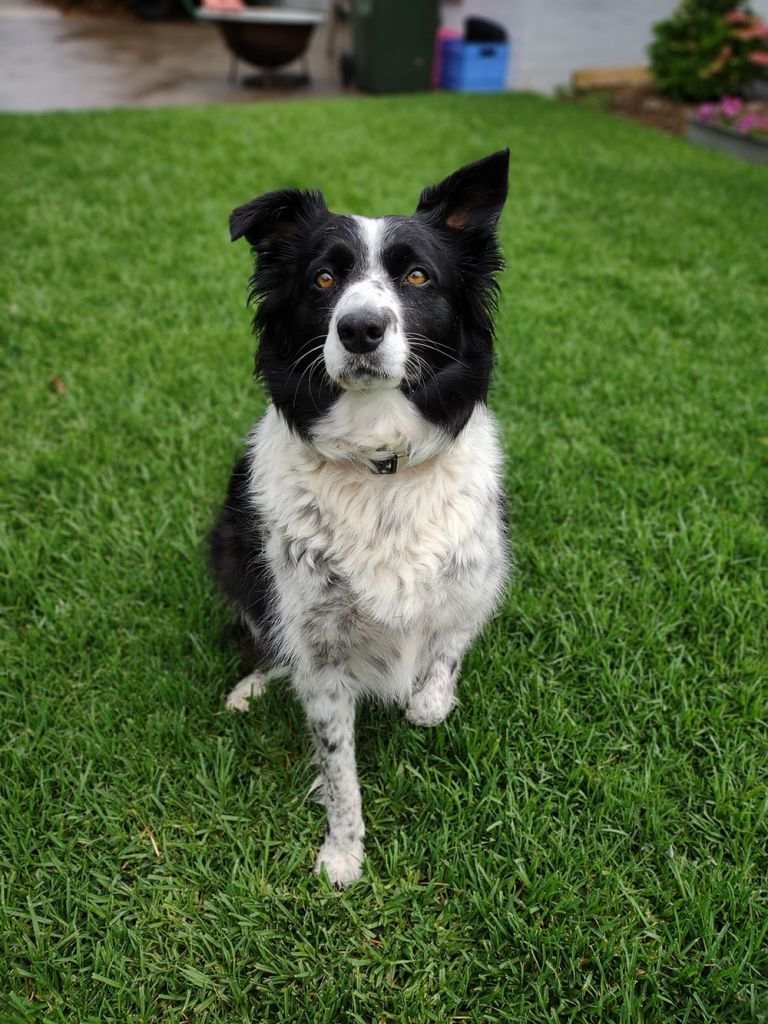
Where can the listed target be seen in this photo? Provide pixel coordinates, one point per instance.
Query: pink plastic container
(442, 36)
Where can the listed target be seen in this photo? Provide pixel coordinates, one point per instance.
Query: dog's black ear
(276, 215)
(473, 196)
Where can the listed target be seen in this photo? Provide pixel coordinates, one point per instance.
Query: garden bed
(643, 103)
(637, 102)
(726, 140)
(734, 127)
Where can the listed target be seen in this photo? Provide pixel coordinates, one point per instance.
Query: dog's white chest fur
(387, 561)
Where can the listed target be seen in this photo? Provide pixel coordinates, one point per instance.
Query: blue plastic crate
(474, 67)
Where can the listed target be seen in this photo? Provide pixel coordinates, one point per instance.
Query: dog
(363, 540)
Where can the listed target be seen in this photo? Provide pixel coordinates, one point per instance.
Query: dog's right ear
(275, 216)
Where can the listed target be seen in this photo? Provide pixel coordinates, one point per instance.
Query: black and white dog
(363, 538)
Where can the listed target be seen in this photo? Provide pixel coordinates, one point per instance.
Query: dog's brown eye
(325, 280)
(417, 277)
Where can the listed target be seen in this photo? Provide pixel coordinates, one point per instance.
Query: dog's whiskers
(421, 341)
(420, 365)
(309, 369)
(308, 352)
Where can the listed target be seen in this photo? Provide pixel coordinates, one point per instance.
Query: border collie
(363, 540)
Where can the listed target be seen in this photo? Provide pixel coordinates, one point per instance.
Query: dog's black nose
(363, 331)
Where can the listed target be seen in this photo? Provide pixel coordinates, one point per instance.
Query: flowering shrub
(709, 49)
(731, 112)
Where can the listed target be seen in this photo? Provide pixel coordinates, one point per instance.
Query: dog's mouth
(361, 372)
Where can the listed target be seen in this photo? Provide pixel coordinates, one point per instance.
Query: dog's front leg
(330, 710)
(435, 692)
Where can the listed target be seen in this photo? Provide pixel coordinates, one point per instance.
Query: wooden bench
(589, 79)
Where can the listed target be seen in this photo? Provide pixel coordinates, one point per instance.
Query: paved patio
(54, 61)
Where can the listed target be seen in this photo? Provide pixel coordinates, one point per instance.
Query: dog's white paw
(251, 686)
(342, 865)
(433, 702)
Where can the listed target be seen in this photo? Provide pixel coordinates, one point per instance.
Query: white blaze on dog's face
(367, 346)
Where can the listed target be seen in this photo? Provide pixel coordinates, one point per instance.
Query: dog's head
(349, 303)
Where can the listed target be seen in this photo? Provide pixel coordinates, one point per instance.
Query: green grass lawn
(586, 839)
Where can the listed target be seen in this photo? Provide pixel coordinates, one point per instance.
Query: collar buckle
(386, 467)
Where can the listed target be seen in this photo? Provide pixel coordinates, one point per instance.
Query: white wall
(552, 38)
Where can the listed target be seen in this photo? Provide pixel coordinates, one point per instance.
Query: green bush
(709, 49)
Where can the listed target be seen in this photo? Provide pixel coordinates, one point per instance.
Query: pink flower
(759, 57)
(756, 31)
(706, 112)
(752, 122)
(737, 17)
(747, 123)
(730, 106)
